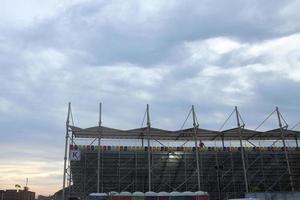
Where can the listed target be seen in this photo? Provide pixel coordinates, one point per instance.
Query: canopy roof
(185, 134)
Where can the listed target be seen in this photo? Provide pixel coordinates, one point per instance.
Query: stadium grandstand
(224, 163)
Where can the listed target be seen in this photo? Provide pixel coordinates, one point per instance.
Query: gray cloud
(169, 54)
(145, 33)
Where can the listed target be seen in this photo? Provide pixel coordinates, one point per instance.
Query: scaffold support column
(285, 150)
(99, 148)
(242, 149)
(66, 151)
(196, 125)
(149, 155)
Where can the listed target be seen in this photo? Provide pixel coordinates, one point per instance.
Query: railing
(181, 149)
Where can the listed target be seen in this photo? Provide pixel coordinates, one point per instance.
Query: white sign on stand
(75, 155)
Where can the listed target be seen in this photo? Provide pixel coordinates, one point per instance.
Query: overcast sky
(170, 54)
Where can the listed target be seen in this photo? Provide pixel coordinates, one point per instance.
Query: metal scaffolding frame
(223, 171)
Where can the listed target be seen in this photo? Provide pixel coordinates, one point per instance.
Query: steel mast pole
(149, 155)
(196, 125)
(99, 146)
(66, 151)
(69, 167)
(285, 151)
(242, 149)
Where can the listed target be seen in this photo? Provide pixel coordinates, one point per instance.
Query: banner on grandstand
(75, 155)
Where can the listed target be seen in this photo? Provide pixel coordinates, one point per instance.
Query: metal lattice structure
(145, 163)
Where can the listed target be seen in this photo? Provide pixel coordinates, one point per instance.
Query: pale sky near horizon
(170, 54)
